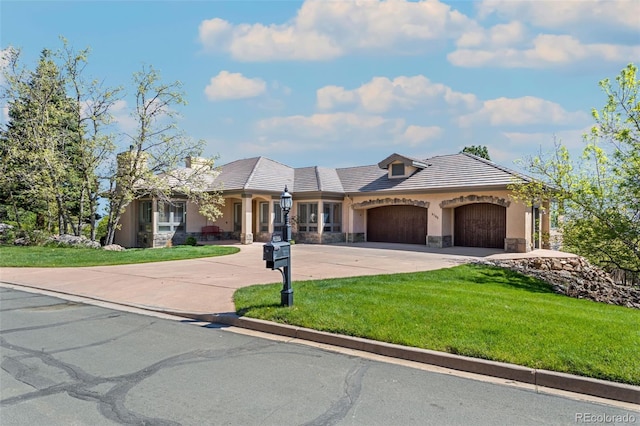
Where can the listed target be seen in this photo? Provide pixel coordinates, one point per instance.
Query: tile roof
(462, 170)
(257, 174)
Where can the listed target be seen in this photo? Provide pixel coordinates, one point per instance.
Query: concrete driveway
(205, 286)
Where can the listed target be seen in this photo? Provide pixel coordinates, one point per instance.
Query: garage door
(480, 225)
(397, 224)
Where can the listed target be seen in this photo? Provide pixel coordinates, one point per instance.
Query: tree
(150, 166)
(57, 154)
(599, 193)
(40, 143)
(96, 146)
(477, 150)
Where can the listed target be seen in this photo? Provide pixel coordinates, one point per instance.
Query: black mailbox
(276, 254)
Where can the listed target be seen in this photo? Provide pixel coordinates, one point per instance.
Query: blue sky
(347, 83)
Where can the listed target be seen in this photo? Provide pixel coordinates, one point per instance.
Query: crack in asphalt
(339, 409)
(111, 404)
(52, 306)
(57, 324)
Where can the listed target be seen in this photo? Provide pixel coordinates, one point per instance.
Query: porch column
(545, 225)
(246, 234)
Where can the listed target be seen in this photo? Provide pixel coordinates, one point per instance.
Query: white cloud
(572, 139)
(417, 135)
(325, 30)
(226, 86)
(567, 13)
(546, 50)
(497, 36)
(382, 94)
(523, 111)
(544, 34)
(345, 130)
(122, 117)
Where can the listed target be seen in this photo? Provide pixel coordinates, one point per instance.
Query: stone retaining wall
(574, 277)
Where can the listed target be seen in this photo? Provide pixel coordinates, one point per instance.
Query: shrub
(191, 241)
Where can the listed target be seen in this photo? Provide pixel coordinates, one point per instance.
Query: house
(443, 201)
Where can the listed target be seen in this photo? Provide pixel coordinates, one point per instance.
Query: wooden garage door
(397, 224)
(480, 225)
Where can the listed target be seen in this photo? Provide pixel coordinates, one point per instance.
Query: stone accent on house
(516, 245)
(391, 202)
(355, 237)
(262, 237)
(437, 241)
(316, 238)
(460, 201)
(168, 239)
(574, 277)
(246, 238)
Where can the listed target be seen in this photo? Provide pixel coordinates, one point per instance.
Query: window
(397, 169)
(264, 217)
(278, 221)
(277, 214)
(145, 217)
(308, 217)
(332, 217)
(237, 217)
(171, 216)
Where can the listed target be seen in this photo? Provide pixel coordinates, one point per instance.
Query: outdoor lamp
(286, 200)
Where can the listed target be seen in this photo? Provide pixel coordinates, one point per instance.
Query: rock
(73, 241)
(113, 247)
(575, 277)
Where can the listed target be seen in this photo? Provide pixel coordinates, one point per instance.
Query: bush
(191, 241)
(31, 238)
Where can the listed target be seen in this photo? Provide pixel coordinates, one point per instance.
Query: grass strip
(16, 256)
(473, 310)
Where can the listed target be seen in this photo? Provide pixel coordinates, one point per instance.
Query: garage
(480, 225)
(397, 224)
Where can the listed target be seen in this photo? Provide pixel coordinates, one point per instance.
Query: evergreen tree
(477, 150)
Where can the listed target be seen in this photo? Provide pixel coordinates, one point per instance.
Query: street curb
(550, 379)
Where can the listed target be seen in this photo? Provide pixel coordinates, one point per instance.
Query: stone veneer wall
(439, 241)
(574, 277)
(516, 245)
(169, 238)
(315, 238)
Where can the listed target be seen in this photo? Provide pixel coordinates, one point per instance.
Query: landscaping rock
(113, 247)
(574, 277)
(74, 241)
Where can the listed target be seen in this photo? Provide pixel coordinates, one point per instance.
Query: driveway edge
(550, 379)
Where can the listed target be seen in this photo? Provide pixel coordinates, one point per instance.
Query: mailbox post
(277, 254)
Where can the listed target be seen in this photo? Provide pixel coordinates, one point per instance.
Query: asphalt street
(70, 363)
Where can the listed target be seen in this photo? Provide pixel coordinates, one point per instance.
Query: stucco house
(443, 201)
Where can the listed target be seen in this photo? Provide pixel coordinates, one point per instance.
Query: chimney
(197, 162)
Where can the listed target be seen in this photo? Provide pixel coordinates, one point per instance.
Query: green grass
(470, 310)
(13, 256)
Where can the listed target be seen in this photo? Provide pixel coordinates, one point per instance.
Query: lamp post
(286, 295)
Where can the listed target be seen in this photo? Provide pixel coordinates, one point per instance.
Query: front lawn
(471, 310)
(31, 256)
